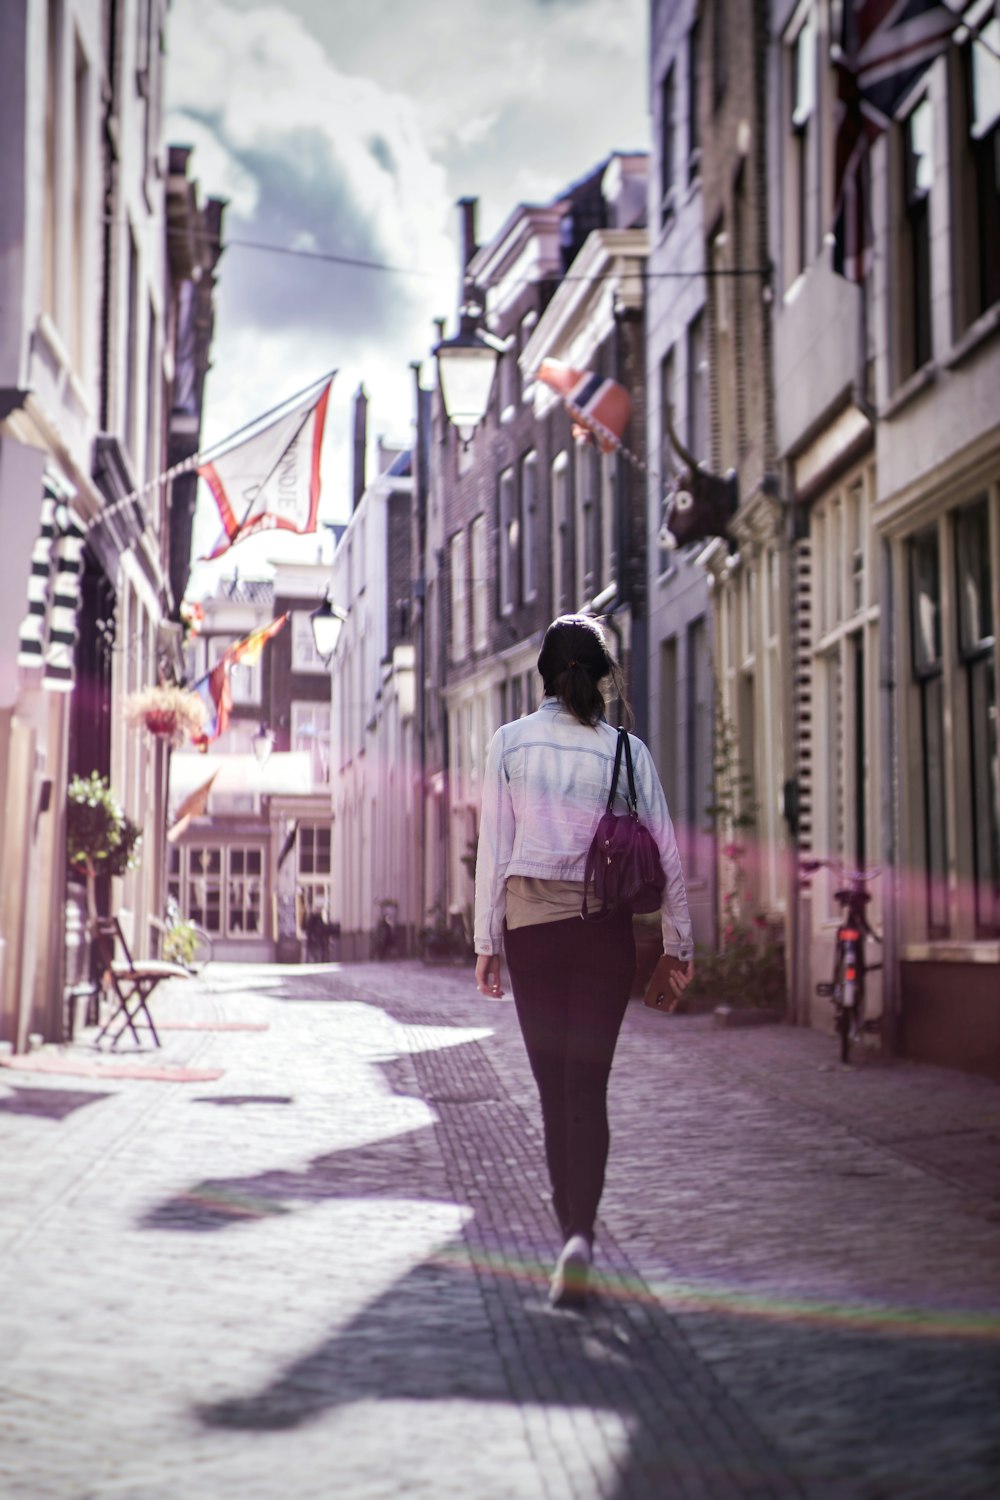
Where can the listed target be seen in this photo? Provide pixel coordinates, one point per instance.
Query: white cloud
(352, 129)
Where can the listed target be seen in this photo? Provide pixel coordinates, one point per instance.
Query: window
(200, 896)
(694, 127)
(928, 675)
(697, 388)
(913, 314)
(668, 146)
(244, 677)
(668, 377)
(245, 891)
(314, 848)
(477, 536)
(132, 350)
(151, 457)
(801, 63)
(81, 129)
(204, 903)
(720, 54)
(588, 479)
(976, 644)
(459, 584)
(699, 719)
(509, 393)
(529, 527)
(669, 721)
(562, 533)
(609, 509)
(50, 189)
(855, 547)
(305, 657)
(977, 241)
(722, 366)
(509, 529)
(310, 726)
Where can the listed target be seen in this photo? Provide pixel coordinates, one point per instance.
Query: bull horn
(676, 443)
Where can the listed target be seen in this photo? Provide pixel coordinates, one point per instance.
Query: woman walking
(546, 784)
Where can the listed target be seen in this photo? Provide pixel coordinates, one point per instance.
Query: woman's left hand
(488, 975)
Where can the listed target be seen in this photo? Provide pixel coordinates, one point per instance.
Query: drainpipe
(890, 804)
(420, 473)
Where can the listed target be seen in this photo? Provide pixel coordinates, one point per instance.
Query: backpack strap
(633, 803)
(614, 775)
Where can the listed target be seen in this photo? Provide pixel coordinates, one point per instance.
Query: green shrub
(100, 838)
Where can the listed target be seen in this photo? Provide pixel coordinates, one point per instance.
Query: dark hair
(574, 661)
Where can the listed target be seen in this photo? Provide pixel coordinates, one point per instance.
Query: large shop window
(220, 887)
(928, 673)
(976, 647)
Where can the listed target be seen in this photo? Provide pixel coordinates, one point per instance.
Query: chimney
(467, 209)
(360, 446)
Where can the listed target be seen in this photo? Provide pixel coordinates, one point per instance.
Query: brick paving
(323, 1273)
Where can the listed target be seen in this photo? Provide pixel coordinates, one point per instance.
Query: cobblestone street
(323, 1273)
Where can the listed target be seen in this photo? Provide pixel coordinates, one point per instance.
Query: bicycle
(847, 988)
(182, 941)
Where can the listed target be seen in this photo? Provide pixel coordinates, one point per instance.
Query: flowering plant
(192, 618)
(100, 838)
(169, 711)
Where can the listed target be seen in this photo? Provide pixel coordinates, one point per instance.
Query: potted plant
(167, 711)
(100, 838)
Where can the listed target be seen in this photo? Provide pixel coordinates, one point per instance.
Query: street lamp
(262, 744)
(327, 622)
(466, 366)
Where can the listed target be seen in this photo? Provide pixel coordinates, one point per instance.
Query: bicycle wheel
(844, 1030)
(203, 951)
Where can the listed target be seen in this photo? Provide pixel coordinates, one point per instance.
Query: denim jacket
(545, 787)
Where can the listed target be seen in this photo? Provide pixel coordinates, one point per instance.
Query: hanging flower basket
(167, 712)
(162, 722)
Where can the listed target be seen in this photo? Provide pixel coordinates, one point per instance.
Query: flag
(193, 806)
(601, 407)
(216, 693)
(249, 649)
(885, 47)
(270, 481)
(215, 689)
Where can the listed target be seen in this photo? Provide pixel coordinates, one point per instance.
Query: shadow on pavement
(50, 1104)
(427, 1340)
(395, 1168)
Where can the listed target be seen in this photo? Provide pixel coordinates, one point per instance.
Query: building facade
(85, 388)
(375, 783)
(681, 635)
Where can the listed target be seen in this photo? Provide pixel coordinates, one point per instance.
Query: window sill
(977, 333)
(919, 381)
(949, 951)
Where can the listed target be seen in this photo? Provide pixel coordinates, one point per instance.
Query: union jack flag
(885, 46)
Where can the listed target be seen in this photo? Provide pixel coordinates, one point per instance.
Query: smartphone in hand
(660, 993)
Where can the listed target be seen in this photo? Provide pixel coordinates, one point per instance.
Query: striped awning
(47, 635)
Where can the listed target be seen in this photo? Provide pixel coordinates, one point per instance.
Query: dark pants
(571, 984)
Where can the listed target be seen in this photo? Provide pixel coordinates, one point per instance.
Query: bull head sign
(701, 504)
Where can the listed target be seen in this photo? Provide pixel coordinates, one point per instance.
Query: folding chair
(131, 982)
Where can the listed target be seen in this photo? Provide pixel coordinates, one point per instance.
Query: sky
(350, 128)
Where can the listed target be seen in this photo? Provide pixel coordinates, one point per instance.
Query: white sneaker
(568, 1287)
